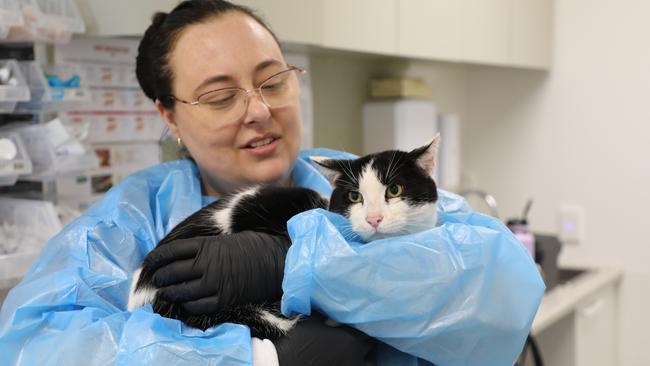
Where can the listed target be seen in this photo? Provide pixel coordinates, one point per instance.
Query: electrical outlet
(571, 224)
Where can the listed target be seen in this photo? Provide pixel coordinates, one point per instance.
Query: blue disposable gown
(70, 309)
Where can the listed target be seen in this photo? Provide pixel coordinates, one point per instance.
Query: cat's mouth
(370, 234)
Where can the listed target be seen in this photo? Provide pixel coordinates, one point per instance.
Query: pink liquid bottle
(520, 228)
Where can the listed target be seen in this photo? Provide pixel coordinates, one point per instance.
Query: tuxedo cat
(383, 194)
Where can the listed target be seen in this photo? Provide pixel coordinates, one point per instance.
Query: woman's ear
(169, 118)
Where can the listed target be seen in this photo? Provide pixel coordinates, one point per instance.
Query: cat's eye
(394, 190)
(355, 197)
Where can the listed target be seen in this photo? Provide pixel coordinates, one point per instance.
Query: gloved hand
(205, 274)
(314, 343)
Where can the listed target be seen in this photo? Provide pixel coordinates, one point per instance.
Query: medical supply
(13, 87)
(399, 88)
(14, 159)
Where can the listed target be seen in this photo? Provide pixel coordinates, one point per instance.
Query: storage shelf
(13, 87)
(17, 161)
(46, 98)
(52, 21)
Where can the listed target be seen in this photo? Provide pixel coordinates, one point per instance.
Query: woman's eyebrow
(212, 80)
(221, 78)
(264, 64)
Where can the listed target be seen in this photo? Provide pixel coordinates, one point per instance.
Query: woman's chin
(276, 174)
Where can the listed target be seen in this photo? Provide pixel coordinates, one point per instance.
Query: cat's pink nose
(374, 220)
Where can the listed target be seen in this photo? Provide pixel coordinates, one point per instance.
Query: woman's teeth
(262, 143)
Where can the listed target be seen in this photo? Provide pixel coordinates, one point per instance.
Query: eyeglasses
(230, 104)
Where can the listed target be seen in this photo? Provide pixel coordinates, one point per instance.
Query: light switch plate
(571, 224)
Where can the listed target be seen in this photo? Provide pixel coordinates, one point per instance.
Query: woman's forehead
(232, 44)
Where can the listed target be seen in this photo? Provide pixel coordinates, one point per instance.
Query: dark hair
(152, 63)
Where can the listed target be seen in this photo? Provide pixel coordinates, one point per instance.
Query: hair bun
(158, 19)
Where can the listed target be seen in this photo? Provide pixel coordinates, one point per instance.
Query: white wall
(340, 87)
(578, 135)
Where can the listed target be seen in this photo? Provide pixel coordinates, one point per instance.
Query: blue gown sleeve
(70, 308)
(463, 293)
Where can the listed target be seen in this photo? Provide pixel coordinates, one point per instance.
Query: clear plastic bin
(52, 158)
(117, 127)
(14, 159)
(26, 226)
(62, 19)
(106, 75)
(52, 21)
(33, 18)
(69, 97)
(38, 86)
(48, 98)
(10, 16)
(119, 99)
(13, 87)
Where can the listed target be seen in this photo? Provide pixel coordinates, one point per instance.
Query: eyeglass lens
(230, 104)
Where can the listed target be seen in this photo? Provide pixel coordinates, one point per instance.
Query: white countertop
(563, 299)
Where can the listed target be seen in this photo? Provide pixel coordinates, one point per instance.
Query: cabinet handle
(593, 308)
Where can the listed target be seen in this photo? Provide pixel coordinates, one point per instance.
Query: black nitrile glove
(314, 343)
(205, 274)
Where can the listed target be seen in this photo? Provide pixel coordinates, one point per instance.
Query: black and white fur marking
(377, 214)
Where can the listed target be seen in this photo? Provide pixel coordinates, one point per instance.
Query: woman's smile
(263, 146)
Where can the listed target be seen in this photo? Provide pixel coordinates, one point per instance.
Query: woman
(210, 66)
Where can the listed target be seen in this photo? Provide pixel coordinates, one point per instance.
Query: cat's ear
(328, 167)
(427, 155)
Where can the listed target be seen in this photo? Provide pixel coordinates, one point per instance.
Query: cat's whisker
(389, 172)
(352, 175)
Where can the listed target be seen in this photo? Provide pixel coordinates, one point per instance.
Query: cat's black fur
(394, 166)
(269, 209)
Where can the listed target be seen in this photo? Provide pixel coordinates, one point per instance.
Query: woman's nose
(256, 109)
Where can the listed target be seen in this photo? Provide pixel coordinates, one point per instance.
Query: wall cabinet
(502, 32)
(485, 31)
(498, 32)
(293, 21)
(576, 324)
(531, 33)
(120, 17)
(595, 322)
(430, 29)
(360, 25)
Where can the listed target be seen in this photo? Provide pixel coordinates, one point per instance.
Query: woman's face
(232, 50)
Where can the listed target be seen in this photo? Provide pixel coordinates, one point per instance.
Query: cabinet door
(596, 333)
(485, 31)
(429, 29)
(360, 25)
(531, 34)
(120, 17)
(292, 21)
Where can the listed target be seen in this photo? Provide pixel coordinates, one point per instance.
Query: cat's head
(387, 193)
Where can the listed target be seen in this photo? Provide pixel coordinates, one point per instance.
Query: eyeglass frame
(301, 71)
